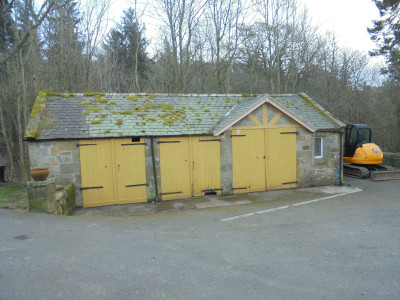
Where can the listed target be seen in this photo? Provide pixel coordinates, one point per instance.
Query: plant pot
(40, 174)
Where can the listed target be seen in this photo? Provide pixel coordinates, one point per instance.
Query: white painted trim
(322, 147)
(267, 99)
(241, 116)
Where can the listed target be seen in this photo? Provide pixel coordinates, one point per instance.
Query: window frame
(322, 147)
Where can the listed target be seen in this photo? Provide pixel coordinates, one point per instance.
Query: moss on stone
(94, 94)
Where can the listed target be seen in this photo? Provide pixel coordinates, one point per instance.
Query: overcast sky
(349, 19)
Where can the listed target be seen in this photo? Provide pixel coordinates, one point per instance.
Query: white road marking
(356, 190)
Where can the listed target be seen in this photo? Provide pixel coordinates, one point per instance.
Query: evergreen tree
(126, 45)
(6, 34)
(386, 34)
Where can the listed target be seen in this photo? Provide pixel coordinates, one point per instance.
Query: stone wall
(151, 187)
(313, 171)
(226, 163)
(62, 158)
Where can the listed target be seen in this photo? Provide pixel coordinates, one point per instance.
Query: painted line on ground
(356, 190)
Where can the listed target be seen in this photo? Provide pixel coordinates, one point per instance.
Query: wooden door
(97, 172)
(130, 171)
(206, 164)
(282, 158)
(175, 168)
(248, 152)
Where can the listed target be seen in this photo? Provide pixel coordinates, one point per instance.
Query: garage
(190, 166)
(264, 152)
(113, 171)
(133, 148)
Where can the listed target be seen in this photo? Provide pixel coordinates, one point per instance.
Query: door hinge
(210, 140)
(288, 132)
(239, 188)
(170, 193)
(134, 144)
(236, 135)
(133, 185)
(167, 142)
(90, 188)
(80, 145)
(289, 182)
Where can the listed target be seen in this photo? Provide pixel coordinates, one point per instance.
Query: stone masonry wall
(313, 171)
(63, 160)
(226, 163)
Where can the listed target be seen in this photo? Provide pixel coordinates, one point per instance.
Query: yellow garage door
(282, 158)
(206, 165)
(97, 172)
(130, 171)
(175, 168)
(248, 151)
(113, 171)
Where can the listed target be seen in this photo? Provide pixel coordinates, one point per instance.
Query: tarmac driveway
(339, 247)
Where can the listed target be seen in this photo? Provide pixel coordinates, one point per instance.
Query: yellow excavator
(362, 158)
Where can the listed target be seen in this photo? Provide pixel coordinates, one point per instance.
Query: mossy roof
(98, 115)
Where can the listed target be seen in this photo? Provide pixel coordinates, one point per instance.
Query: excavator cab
(356, 136)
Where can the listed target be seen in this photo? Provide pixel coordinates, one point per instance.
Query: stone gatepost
(41, 195)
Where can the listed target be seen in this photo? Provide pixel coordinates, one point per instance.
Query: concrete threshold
(277, 197)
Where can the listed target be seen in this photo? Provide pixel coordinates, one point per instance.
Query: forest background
(201, 46)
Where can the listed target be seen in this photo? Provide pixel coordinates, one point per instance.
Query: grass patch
(14, 196)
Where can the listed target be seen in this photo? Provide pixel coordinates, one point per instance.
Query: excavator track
(355, 171)
(375, 172)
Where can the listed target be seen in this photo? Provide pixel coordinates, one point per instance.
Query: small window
(319, 147)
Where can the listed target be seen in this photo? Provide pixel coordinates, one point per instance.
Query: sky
(348, 19)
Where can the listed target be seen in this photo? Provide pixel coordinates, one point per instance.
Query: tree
(37, 19)
(126, 46)
(386, 34)
(63, 47)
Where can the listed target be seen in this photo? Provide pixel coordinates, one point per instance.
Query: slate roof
(98, 115)
(309, 110)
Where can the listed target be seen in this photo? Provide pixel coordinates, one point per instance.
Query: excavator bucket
(385, 175)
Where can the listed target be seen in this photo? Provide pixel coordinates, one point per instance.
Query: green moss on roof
(94, 108)
(32, 134)
(94, 94)
(107, 131)
(132, 98)
(113, 103)
(37, 106)
(96, 122)
(127, 112)
(85, 112)
(86, 102)
(119, 122)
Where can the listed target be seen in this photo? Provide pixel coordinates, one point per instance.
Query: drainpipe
(341, 158)
(154, 167)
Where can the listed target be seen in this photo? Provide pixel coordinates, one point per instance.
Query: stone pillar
(41, 195)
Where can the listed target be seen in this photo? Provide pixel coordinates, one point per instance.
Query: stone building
(127, 148)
